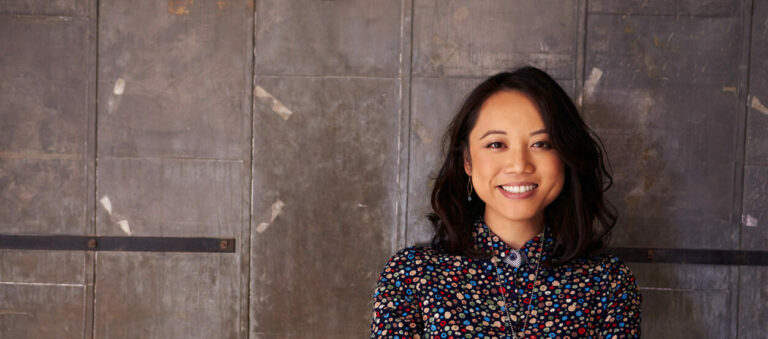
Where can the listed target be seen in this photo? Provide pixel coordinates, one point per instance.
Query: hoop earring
(469, 190)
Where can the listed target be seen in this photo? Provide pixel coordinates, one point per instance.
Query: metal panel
(755, 216)
(46, 7)
(753, 309)
(41, 267)
(662, 94)
(171, 78)
(478, 38)
(43, 130)
(42, 294)
(44, 114)
(358, 37)
(43, 99)
(42, 196)
(666, 7)
(42, 311)
(324, 203)
(688, 301)
(160, 295)
(164, 197)
(755, 201)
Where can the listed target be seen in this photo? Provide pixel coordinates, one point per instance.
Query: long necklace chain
(530, 300)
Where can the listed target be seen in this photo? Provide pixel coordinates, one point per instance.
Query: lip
(511, 195)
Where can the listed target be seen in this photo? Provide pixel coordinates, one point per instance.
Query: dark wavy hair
(580, 218)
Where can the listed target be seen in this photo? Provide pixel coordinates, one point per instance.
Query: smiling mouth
(519, 188)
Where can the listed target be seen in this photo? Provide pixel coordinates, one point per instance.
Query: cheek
(557, 174)
(484, 167)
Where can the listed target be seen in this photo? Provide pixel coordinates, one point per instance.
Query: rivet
(91, 243)
(223, 244)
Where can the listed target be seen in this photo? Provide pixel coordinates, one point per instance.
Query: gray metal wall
(309, 130)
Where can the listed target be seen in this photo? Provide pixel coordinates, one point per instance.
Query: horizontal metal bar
(691, 256)
(128, 244)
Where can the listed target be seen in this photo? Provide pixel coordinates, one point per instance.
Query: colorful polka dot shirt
(423, 293)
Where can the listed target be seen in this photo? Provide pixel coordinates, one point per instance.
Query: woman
(519, 218)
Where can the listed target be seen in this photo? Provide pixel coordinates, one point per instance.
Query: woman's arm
(396, 309)
(621, 310)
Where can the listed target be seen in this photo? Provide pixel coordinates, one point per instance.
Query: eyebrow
(493, 131)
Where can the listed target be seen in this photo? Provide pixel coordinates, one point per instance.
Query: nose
(518, 161)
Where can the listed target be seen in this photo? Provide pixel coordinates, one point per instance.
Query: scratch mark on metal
(749, 220)
(729, 89)
(125, 227)
(589, 86)
(179, 7)
(40, 284)
(106, 203)
(276, 105)
(117, 92)
(756, 104)
(592, 81)
(12, 312)
(277, 208)
(119, 87)
(262, 227)
(40, 156)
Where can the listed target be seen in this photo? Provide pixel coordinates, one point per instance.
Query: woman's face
(514, 169)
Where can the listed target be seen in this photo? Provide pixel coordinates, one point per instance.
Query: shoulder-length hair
(580, 218)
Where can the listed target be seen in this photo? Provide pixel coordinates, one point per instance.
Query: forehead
(508, 110)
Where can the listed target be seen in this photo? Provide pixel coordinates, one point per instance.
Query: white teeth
(519, 189)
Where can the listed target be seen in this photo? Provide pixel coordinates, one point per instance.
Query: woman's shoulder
(424, 258)
(415, 255)
(605, 266)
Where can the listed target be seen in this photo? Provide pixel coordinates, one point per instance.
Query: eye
(495, 145)
(542, 144)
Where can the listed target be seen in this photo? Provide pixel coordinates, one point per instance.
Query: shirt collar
(486, 241)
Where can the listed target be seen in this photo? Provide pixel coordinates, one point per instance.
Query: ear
(467, 163)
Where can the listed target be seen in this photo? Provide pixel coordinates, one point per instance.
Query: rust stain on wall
(179, 7)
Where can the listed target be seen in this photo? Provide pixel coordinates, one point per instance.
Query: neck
(513, 232)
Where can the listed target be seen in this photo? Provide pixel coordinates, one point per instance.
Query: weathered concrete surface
(324, 204)
(753, 287)
(703, 8)
(664, 105)
(753, 311)
(165, 197)
(167, 295)
(173, 148)
(43, 181)
(755, 200)
(479, 38)
(42, 294)
(688, 301)
(347, 38)
(42, 311)
(50, 267)
(43, 129)
(70, 8)
(172, 79)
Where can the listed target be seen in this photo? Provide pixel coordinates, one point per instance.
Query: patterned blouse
(423, 293)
